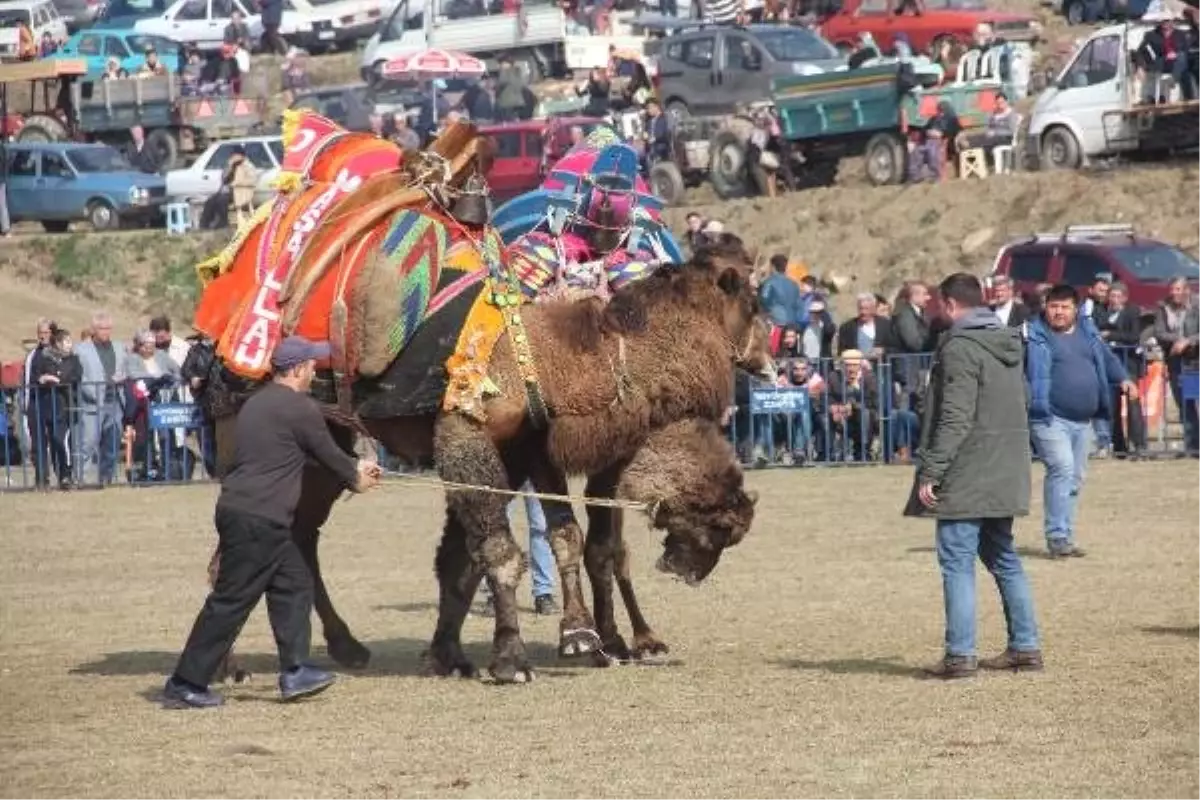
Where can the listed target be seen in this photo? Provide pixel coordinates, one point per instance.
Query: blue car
(125, 45)
(57, 183)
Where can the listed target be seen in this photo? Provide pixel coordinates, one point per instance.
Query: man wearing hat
(277, 430)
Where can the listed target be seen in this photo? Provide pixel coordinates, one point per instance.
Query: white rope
(422, 480)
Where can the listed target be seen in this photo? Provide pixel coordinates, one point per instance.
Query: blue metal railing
(825, 413)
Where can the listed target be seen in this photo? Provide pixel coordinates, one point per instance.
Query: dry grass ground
(793, 672)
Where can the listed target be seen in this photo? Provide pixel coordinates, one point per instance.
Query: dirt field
(793, 671)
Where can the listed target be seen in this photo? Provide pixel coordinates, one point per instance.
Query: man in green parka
(973, 475)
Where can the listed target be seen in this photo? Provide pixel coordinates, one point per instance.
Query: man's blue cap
(296, 350)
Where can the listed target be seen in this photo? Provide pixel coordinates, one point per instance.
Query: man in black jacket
(56, 375)
(868, 333)
(1164, 51)
(276, 433)
(1011, 311)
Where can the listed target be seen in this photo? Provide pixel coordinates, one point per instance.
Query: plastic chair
(179, 218)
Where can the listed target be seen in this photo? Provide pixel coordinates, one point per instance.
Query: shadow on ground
(887, 665)
(389, 657)
(1186, 631)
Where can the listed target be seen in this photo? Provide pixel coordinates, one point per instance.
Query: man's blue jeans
(1063, 446)
(541, 558)
(958, 542)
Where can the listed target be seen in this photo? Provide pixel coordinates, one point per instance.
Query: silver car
(713, 69)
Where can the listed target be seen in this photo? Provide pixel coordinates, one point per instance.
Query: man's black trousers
(257, 556)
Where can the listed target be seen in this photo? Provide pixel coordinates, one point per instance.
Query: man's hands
(51, 379)
(927, 494)
(1181, 345)
(1130, 389)
(369, 473)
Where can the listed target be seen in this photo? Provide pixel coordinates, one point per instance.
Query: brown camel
(661, 351)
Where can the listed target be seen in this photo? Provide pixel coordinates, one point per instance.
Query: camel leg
(458, 580)
(577, 630)
(465, 454)
(604, 528)
(645, 642)
(319, 490)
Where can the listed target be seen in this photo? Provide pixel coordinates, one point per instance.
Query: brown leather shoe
(952, 667)
(1015, 660)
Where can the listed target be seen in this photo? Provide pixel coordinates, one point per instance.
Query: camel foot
(447, 661)
(613, 652)
(347, 651)
(649, 646)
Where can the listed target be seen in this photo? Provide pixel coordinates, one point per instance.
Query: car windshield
(1157, 263)
(139, 42)
(135, 8)
(99, 159)
(12, 17)
(793, 44)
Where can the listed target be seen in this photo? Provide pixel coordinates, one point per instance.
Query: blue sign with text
(164, 416)
(778, 401)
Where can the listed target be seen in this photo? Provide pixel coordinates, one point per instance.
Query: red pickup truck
(523, 151)
(924, 22)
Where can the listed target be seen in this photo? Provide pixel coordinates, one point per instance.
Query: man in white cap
(277, 430)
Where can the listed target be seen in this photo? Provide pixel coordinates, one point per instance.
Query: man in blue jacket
(1068, 372)
(780, 296)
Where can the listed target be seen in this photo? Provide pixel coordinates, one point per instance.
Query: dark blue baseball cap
(296, 350)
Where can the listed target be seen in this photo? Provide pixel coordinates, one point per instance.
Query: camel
(662, 350)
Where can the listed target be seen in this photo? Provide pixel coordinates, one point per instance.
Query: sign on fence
(164, 416)
(778, 401)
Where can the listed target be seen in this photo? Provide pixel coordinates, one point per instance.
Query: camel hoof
(505, 673)
(447, 666)
(578, 642)
(612, 653)
(348, 652)
(649, 648)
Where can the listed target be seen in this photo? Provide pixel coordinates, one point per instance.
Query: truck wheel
(163, 145)
(666, 181)
(1060, 149)
(728, 169)
(886, 158)
(42, 128)
(102, 216)
(527, 62)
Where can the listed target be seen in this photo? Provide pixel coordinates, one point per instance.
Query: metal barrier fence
(828, 413)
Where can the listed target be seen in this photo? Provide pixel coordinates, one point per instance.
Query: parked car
(78, 14)
(1081, 252)
(199, 22)
(523, 152)
(56, 183)
(711, 69)
(938, 21)
(128, 46)
(203, 178)
(333, 23)
(1076, 11)
(39, 16)
(351, 104)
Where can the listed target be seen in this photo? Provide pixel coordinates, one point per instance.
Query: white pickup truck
(1102, 105)
(537, 37)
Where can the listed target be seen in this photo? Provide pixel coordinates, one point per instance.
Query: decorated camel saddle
(590, 228)
(386, 255)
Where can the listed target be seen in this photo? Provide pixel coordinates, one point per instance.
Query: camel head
(730, 266)
(688, 471)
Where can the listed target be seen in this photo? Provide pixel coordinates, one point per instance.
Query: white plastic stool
(1003, 159)
(179, 218)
